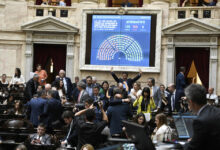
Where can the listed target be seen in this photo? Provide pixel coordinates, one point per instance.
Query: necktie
(173, 102)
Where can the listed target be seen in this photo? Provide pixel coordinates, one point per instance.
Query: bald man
(212, 95)
(174, 98)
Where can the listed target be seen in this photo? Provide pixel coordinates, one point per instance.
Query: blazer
(116, 114)
(206, 130)
(129, 80)
(150, 106)
(177, 100)
(31, 89)
(36, 107)
(157, 96)
(54, 111)
(84, 95)
(45, 139)
(180, 82)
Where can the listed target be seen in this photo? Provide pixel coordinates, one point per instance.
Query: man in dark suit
(174, 98)
(154, 92)
(67, 83)
(40, 137)
(117, 113)
(206, 127)
(37, 108)
(125, 78)
(31, 87)
(54, 108)
(71, 137)
(180, 80)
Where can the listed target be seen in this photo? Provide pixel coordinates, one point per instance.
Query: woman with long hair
(61, 91)
(145, 103)
(17, 78)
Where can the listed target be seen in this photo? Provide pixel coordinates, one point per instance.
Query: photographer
(90, 132)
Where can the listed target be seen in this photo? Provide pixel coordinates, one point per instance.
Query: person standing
(42, 75)
(31, 87)
(154, 92)
(180, 80)
(125, 78)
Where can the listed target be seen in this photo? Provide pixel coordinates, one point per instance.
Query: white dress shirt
(212, 96)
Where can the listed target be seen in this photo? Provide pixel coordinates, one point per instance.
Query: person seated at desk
(162, 132)
(126, 3)
(206, 126)
(40, 138)
(17, 78)
(212, 96)
(4, 82)
(17, 110)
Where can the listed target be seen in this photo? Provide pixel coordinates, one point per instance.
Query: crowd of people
(97, 109)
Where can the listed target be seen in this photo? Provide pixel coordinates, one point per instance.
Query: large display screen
(121, 40)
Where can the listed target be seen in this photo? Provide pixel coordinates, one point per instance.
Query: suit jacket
(84, 95)
(31, 89)
(69, 86)
(45, 139)
(37, 107)
(54, 111)
(177, 100)
(129, 80)
(157, 96)
(206, 130)
(116, 114)
(180, 82)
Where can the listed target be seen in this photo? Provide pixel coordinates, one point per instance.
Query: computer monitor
(184, 126)
(139, 135)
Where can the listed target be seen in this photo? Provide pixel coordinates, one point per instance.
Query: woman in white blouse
(136, 91)
(162, 132)
(17, 78)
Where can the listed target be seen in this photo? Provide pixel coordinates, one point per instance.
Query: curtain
(43, 52)
(140, 3)
(109, 3)
(68, 2)
(185, 56)
(38, 2)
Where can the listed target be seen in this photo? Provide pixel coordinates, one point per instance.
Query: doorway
(51, 57)
(196, 62)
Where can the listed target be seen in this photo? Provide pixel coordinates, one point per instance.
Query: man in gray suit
(83, 94)
(40, 138)
(155, 91)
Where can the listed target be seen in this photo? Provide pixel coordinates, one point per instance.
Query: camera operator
(90, 132)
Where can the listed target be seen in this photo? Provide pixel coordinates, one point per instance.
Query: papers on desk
(147, 116)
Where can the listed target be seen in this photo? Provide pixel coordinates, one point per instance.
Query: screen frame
(120, 11)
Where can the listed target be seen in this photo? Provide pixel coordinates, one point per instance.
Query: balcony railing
(211, 12)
